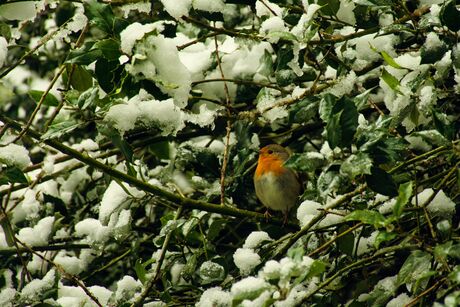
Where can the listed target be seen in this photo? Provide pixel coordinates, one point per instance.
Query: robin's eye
(270, 152)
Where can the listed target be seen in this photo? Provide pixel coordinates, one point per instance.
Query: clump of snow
(215, 297)
(306, 211)
(432, 41)
(209, 6)
(272, 24)
(133, 33)
(93, 229)
(177, 8)
(114, 197)
(443, 65)
(76, 296)
(441, 205)
(7, 296)
(127, 289)
(248, 287)
(35, 289)
(256, 238)
(3, 50)
(141, 7)
(262, 10)
(15, 155)
(344, 85)
(346, 13)
(387, 207)
(271, 270)
(246, 260)
(268, 106)
(39, 234)
(156, 58)
(144, 109)
(401, 300)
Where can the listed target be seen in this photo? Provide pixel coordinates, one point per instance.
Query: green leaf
(12, 174)
(454, 276)
(282, 35)
(84, 55)
(49, 100)
(356, 165)
(389, 79)
(404, 194)
(100, 15)
(266, 64)
(443, 125)
(59, 129)
(367, 217)
(325, 106)
(415, 268)
(141, 273)
(381, 182)
(329, 7)
(383, 236)
(390, 61)
(284, 77)
(109, 48)
(346, 243)
(305, 162)
(81, 79)
(342, 123)
(304, 110)
(450, 16)
(88, 99)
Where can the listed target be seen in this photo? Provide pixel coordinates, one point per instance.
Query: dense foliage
(130, 131)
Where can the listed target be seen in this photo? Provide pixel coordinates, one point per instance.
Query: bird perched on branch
(277, 186)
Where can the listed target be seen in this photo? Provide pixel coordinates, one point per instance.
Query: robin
(277, 186)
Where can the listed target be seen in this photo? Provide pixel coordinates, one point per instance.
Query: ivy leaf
(415, 268)
(404, 194)
(342, 123)
(367, 217)
(84, 55)
(450, 16)
(12, 174)
(304, 110)
(59, 129)
(381, 182)
(282, 35)
(356, 165)
(81, 78)
(50, 99)
(109, 48)
(100, 15)
(305, 162)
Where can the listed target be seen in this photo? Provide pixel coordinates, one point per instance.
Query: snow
(34, 289)
(141, 7)
(177, 8)
(432, 41)
(248, 286)
(344, 85)
(93, 229)
(262, 10)
(114, 197)
(271, 270)
(272, 24)
(246, 260)
(144, 109)
(209, 6)
(133, 33)
(76, 296)
(267, 106)
(156, 58)
(7, 297)
(15, 155)
(256, 238)
(441, 205)
(294, 298)
(346, 13)
(443, 65)
(215, 297)
(306, 211)
(366, 244)
(71, 264)
(3, 50)
(39, 234)
(401, 300)
(127, 287)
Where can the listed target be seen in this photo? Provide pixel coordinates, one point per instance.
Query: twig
(424, 293)
(228, 127)
(239, 81)
(325, 245)
(11, 251)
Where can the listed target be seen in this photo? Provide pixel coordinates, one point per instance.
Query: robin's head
(274, 151)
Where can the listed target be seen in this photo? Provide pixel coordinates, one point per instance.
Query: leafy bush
(130, 134)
